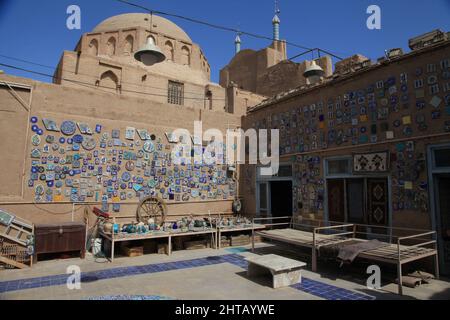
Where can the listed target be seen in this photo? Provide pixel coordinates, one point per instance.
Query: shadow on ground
(355, 273)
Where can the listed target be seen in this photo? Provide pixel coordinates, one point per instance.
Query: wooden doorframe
(433, 172)
(259, 180)
(351, 176)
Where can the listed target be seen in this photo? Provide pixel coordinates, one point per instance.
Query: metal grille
(176, 93)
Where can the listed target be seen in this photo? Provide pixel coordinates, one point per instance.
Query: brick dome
(134, 20)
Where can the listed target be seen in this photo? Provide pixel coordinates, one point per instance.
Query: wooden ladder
(16, 232)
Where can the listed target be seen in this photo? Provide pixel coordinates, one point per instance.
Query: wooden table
(134, 237)
(221, 230)
(113, 238)
(284, 271)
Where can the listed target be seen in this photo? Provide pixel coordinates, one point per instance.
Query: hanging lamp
(313, 73)
(150, 53)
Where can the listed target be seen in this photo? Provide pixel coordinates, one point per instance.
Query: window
(175, 93)
(442, 158)
(284, 171)
(338, 166)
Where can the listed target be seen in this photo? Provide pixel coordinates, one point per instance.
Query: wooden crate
(195, 245)
(240, 240)
(133, 251)
(163, 248)
(258, 238)
(225, 242)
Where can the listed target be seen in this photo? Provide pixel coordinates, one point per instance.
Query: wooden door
(336, 200)
(378, 202)
(356, 202)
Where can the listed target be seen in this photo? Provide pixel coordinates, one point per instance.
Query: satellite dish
(150, 54)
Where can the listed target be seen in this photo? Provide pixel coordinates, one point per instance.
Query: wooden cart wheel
(152, 207)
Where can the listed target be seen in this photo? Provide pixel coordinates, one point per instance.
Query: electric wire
(219, 27)
(88, 75)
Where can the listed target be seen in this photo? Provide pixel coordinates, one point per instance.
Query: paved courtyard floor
(186, 275)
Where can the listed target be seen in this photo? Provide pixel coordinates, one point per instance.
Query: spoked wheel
(152, 208)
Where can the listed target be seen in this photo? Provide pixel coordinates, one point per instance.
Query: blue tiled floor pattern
(316, 288)
(329, 292)
(57, 280)
(313, 287)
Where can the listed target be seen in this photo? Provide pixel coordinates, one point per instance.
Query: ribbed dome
(132, 20)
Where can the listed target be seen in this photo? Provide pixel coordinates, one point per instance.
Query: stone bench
(284, 271)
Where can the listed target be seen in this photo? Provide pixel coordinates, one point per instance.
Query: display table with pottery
(120, 237)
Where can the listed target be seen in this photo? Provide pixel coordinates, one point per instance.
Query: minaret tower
(276, 22)
(237, 42)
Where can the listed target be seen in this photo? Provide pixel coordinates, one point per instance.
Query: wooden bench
(284, 271)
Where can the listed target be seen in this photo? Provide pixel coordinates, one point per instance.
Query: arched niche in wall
(109, 81)
(93, 47)
(168, 50)
(185, 56)
(128, 47)
(208, 100)
(111, 46)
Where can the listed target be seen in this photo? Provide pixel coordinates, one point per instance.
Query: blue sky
(36, 30)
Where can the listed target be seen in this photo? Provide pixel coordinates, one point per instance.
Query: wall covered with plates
(79, 162)
(109, 151)
(395, 109)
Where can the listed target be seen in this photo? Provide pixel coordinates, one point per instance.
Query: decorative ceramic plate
(36, 140)
(68, 128)
(78, 138)
(126, 176)
(88, 143)
(50, 125)
(149, 147)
